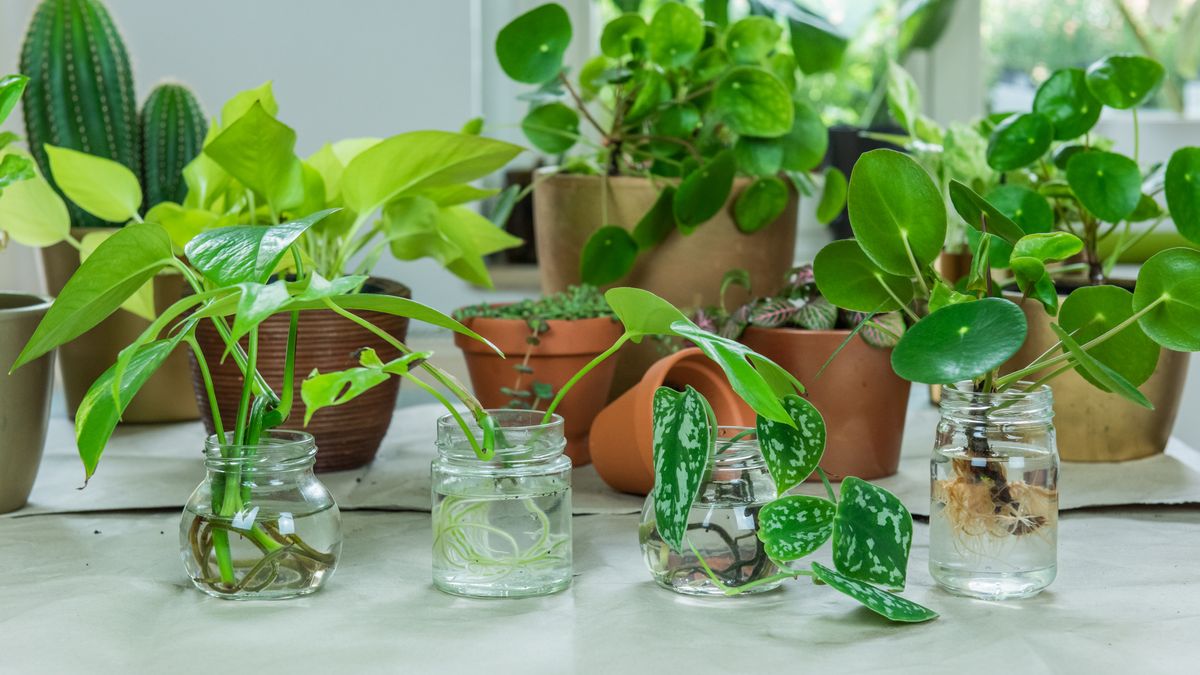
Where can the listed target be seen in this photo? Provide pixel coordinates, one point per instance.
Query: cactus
(173, 129)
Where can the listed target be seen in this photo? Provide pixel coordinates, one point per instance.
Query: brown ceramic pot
(622, 437)
(862, 400)
(684, 270)
(166, 396)
(348, 435)
(1093, 426)
(562, 351)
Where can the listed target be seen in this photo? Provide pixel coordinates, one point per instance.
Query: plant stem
(828, 487)
(734, 590)
(239, 435)
(581, 105)
(202, 364)
(916, 268)
(562, 392)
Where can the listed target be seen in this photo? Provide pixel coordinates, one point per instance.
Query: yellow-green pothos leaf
(684, 440)
(794, 526)
(231, 255)
(792, 453)
(872, 534)
(887, 605)
(140, 303)
(102, 187)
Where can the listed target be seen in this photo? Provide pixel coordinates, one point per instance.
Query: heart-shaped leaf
(1091, 311)
(1182, 188)
(674, 36)
(833, 197)
(752, 38)
(1107, 184)
(607, 256)
(753, 102)
(760, 204)
(1123, 80)
(684, 440)
(256, 303)
(849, 279)
(896, 211)
(530, 48)
(1168, 282)
(1019, 141)
(702, 194)
(553, 127)
(617, 38)
(960, 342)
(1106, 378)
(228, 256)
(872, 533)
(31, 212)
(794, 526)
(1065, 99)
(100, 186)
(792, 452)
(887, 605)
(15, 168)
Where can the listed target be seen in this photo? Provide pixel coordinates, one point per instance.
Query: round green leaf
(895, 210)
(833, 197)
(652, 89)
(753, 102)
(702, 194)
(760, 204)
(1025, 207)
(678, 121)
(1107, 184)
(1066, 100)
(675, 35)
(709, 65)
(960, 342)
(1064, 153)
(758, 156)
(1093, 310)
(618, 36)
(607, 256)
(594, 75)
(783, 66)
(531, 47)
(847, 278)
(1168, 280)
(1019, 141)
(1123, 80)
(1045, 246)
(553, 127)
(1183, 191)
(1146, 209)
(805, 145)
(752, 38)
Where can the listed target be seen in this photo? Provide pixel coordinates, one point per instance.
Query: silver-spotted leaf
(887, 605)
(684, 438)
(872, 534)
(791, 527)
(792, 453)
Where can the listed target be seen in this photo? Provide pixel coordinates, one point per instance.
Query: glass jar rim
(961, 398)
(277, 450)
(452, 445)
(744, 452)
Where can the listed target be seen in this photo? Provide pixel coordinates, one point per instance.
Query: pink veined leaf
(771, 313)
(817, 314)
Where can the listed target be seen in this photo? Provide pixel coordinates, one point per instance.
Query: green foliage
(1019, 141)
(960, 342)
(173, 130)
(760, 204)
(1107, 184)
(872, 534)
(552, 127)
(530, 48)
(607, 256)
(1167, 298)
(792, 451)
(887, 605)
(702, 194)
(577, 302)
(1065, 99)
(684, 441)
(1182, 187)
(896, 212)
(239, 254)
(1123, 81)
(795, 526)
(101, 187)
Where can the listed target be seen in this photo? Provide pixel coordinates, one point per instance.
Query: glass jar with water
(722, 526)
(993, 524)
(502, 527)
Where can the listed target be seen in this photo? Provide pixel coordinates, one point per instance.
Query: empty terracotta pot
(622, 438)
(562, 350)
(862, 400)
(348, 435)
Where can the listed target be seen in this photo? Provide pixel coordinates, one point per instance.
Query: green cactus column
(80, 93)
(173, 129)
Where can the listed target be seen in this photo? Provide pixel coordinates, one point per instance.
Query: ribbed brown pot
(348, 435)
(862, 400)
(165, 397)
(684, 270)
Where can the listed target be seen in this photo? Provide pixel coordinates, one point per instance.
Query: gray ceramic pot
(24, 399)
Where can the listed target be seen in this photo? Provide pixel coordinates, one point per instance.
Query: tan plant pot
(348, 435)
(862, 400)
(1094, 426)
(166, 396)
(24, 399)
(562, 351)
(622, 437)
(684, 270)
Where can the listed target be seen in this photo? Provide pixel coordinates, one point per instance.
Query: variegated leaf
(817, 314)
(792, 454)
(888, 605)
(791, 527)
(872, 534)
(771, 313)
(684, 438)
(885, 339)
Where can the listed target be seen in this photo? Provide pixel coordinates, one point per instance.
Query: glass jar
(261, 526)
(502, 527)
(993, 524)
(722, 526)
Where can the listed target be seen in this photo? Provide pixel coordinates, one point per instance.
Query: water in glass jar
(725, 535)
(489, 541)
(994, 522)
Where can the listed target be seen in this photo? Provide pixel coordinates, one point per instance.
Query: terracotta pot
(166, 396)
(1094, 426)
(684, 270)
(25, 395)
(622, 437)
(348, 435)
(862, 400)
(562, 351)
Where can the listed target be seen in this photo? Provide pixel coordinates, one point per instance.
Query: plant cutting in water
(687, 103)
(962, 334)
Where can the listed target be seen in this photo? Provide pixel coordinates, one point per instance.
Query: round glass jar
(502, 527)
(722, 526)
(993, 524)
(261, 526)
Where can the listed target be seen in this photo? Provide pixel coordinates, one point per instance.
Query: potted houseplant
(102, 119)
(691, 146)
(260, 525)
(995, 461)
(863, 402)
(546, 341)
